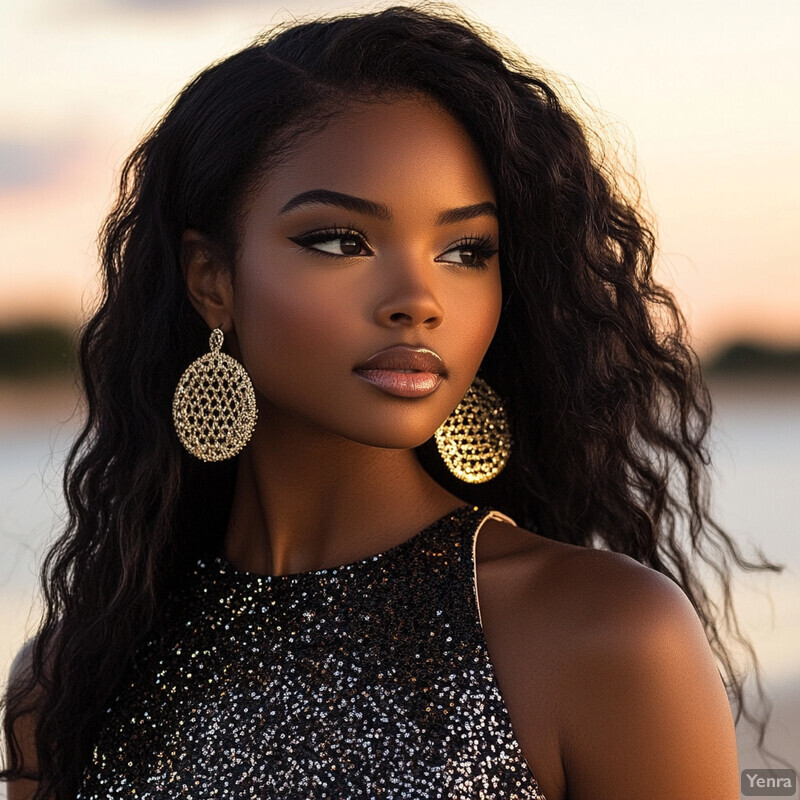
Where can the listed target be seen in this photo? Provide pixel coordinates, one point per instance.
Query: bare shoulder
(637, 706)
(565, 596)
(599, 593)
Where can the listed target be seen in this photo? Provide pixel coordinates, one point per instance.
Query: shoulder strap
(491, 514)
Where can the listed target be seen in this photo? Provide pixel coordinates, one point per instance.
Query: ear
(208, 280)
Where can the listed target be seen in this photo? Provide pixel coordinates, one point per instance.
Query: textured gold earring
(214, 407)
(475, 441)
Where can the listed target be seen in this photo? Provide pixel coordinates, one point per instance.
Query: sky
(703, 99)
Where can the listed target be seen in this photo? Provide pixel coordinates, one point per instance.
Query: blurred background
(702, 98)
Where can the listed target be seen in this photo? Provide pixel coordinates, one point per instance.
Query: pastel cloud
(702, 93)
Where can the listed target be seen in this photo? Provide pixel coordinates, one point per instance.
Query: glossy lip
(403, 371)
(404, 358)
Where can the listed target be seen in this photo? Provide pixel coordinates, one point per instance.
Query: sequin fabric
(368, 680)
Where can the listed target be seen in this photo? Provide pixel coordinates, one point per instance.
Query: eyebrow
(379, 210)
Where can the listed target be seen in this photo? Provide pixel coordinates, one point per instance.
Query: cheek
(294, 323)
(285, 326)
(491, 316)
(478, 313)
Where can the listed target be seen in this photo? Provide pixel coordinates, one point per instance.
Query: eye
(334, 242)
(474, 252)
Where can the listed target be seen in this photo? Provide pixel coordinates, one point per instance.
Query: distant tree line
(750, 358)
(38, 350)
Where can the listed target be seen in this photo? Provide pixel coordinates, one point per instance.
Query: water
(756, 446)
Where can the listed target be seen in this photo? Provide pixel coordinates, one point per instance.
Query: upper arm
(648, 714)
(24, 728)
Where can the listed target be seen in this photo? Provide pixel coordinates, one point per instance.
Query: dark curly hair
(608, 408)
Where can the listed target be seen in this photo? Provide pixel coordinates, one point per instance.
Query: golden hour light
(415, 385)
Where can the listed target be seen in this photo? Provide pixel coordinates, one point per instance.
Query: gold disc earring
(214, 407)
(475, 441)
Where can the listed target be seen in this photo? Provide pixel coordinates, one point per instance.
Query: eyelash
(315, 237)
(482, 246)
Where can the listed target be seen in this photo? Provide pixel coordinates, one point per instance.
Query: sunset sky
(706, 94)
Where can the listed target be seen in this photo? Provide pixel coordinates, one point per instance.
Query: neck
(307, 500)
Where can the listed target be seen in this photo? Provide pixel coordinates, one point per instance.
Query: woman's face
(400, 250)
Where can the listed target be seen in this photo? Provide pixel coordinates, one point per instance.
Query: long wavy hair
(608, 408)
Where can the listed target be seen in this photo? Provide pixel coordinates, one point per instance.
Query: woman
(298, 573)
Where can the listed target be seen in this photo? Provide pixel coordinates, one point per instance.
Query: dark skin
(610, 684)
(330, 475)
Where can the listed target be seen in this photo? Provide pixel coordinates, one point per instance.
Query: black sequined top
(368, 680)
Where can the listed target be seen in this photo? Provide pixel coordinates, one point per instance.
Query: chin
(397, 439)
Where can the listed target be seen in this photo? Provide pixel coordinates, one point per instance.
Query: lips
(404, 358)
(403, 371)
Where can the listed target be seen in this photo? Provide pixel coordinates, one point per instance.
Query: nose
(409, 301)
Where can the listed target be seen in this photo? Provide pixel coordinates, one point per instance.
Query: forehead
(387, 150)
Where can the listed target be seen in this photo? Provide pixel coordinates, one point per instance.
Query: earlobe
(208, 279)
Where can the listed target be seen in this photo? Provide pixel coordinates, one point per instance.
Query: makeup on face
(368, 279)
(403, 371)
